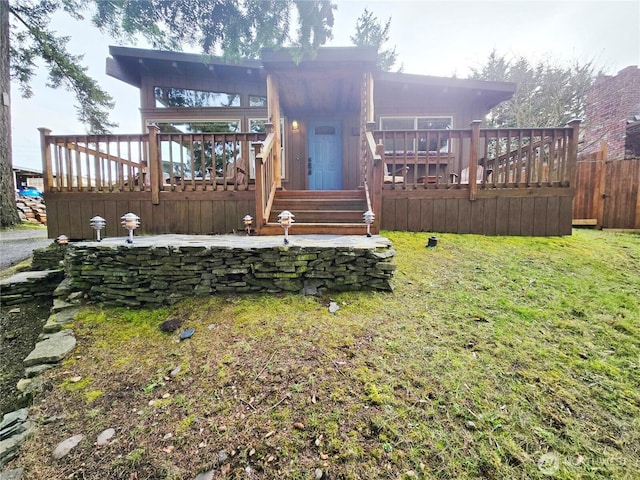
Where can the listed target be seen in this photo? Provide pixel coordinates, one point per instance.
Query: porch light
(248, 220)
(130, 221)
(98, 223)
(295, 126)
(286, 220)
(369, 217)
(62, 240)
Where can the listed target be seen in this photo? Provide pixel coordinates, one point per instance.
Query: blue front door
(325, 155)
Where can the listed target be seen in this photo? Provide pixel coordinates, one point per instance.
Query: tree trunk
(8, 211)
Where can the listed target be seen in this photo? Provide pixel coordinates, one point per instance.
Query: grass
(495, 357)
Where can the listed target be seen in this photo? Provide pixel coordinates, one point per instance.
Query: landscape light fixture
(286, 220)
(130, 221)
(62, 240)
(369, 217)
(248, 220)
(98, 223)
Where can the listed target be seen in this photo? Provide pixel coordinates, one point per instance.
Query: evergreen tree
(371, 33)
(547, 94)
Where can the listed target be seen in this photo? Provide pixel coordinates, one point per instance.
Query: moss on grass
(492, 356)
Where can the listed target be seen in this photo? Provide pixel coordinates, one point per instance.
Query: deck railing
(147, 162)
(265, 179)
(478, 158)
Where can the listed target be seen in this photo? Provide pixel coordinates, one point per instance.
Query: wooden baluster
(155, 165)
(473, 159)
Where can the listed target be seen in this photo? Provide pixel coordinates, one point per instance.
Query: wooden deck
(489, 181)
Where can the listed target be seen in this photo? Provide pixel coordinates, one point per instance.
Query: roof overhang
(487, 93)
(129, 64)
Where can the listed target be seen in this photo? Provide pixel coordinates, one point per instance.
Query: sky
(442, 38)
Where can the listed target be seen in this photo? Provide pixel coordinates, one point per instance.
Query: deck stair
(336, 212)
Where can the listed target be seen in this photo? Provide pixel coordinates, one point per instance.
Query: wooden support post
(155, 165)
(473, 159)
(259, 193)
(370, 106)
(378, 179)
(273, 112)
(47, 165)
(572, 160)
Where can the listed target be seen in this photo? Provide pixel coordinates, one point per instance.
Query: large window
(431, 142)
(257, 125)
(198, 158)
(167, 97)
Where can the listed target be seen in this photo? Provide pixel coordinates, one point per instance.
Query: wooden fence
(607, 192)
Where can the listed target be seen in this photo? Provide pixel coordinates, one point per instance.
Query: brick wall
(610, 103)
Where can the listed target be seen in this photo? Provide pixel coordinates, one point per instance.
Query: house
(326, 137)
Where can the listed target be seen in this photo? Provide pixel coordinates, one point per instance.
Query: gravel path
(16, 244)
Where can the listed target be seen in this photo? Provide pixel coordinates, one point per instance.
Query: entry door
(325, 155)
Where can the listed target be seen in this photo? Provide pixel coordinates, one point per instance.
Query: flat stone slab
(25, 277)
(245, 242)
(56, 321)
(52, 349)
(15, 474)
(64, 447)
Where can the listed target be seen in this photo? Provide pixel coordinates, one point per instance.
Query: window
(167, 97)
(257, 125)
(207, 155)
(426, 142)
(257, 101)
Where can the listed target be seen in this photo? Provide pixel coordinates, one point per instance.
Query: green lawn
(495, 357)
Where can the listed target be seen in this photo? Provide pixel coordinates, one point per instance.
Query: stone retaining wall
(164, 269)
(26, 286)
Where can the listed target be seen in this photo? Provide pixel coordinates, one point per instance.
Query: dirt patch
(19, 329)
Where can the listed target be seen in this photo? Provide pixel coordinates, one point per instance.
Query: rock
(14, 310)
(470, 425)
(11, 418)
(171, 325)
(319, 473)
(36, 370)
(56, 321)
(9, 446)
(23, 384)
(52, 350)
(105, 436)
(298, 426)
(208, 475)
(15, 474)
(333, 307)
(176, 371)
(64, 447)
(222, 456)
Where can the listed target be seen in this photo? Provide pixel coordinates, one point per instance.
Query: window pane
(181, 97)
(257, 101)
(207, 155)
(390, 123)
(425, 123)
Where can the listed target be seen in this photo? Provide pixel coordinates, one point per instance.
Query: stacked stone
(49, 258)
(139, 275)
(26, 286)
(14, 430)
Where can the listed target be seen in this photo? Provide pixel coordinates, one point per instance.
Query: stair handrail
(265, 179)
(373, 177)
